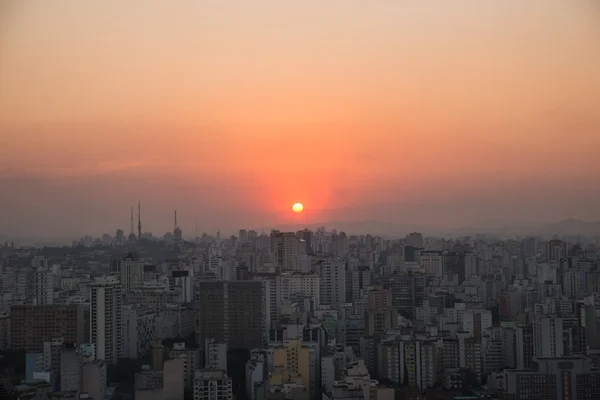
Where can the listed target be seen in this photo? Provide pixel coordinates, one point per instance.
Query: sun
(297, 207)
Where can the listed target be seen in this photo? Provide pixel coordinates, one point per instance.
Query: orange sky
(232, 111)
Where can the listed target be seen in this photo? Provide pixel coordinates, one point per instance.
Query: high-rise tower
(106, 329)
(139, 221)
(132, 238)
(177, 230)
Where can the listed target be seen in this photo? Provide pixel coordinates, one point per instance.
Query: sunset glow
(230, 112)
(297, 207)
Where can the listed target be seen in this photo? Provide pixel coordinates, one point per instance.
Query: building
(94, 379)
(566, 378)
(173, 379)
(138, 331)
(235, 312)
(130, 271)
(408, 292)
(333, 283)
(476, 321)
(290, 286)
(548, 337)
(32, 325)
(298, 359)
(286, 247)
(433, 262)
(216, 355)
(106, 325)
(71, 368)
(212, 384)
(35, 285)
(191, 361)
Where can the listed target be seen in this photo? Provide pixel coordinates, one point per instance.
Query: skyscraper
(286, 246)
(235, 312)
(32, 325)
(35, 285)
(105, 318)
(333, 283)
(130, 271)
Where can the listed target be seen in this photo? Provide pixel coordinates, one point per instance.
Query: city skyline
(397, 112)
(284, 199)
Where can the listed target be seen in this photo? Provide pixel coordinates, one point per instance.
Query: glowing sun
(297, 207)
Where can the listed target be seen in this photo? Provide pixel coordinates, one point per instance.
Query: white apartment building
(191, 361)
(255, 372)
(106, 329)
(470, 265)
(41, 281)
(333, 283)
(548, 337)
(433, 262)
(547, 272)
(138, 331)
(182, 282)
(212, 385)
(476, 322)
(35, 285)
(290, 284)
(130, 270)
(216, 355)
(426, 312)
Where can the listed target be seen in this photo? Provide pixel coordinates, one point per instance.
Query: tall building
(130, 271)
(138, 330)
(120, 238)
(414, 239)
(35, 285)
(71, 368)
(476, 322)
(296, 359)
(307, 236)
(191, 361)
(181, 281)
(565, 378)
(333, 283)
(177, 233)
(409, 362)
(94, 379)
(173, 379)
(235, 312)
(106, 318)
(212, 384)
(548, 337)
(291, 286)
(525, 346)
(433, 262)
(408, 292)
(32, 325)
(286, 247)
(380, 316)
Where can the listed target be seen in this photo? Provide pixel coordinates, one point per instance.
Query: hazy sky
(440, 112)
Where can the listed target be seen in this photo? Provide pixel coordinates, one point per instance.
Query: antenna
(196, 229)
(139, 220)
(131, 230)
(262, 224)
(175, 220)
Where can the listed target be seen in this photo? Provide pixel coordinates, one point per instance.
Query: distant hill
(574, 227)
(357, 227)
(493, 227)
